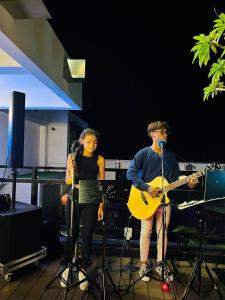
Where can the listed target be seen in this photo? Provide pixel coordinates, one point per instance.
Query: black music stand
(70, 264)
(129, 267)
(197, 267)
(103, 190)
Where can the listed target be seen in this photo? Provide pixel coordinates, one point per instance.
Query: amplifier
(19, 232)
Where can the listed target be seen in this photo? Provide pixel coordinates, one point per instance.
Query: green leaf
(213, 48)
(202, 49)
(219, 26)
(209, 44)
(213, 89)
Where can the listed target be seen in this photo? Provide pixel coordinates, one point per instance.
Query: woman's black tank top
(87, 168)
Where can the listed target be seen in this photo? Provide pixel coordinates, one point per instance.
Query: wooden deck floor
(30, 283)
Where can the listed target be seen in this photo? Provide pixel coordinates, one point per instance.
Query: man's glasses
(162, 131)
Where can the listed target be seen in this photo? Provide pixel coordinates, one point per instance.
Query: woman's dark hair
(79, 149)
(88, 131)
(74, 145)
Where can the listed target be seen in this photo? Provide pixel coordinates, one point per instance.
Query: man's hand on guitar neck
(154, 191)
(192, 181)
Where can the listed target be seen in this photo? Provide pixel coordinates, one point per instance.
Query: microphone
(161, 143)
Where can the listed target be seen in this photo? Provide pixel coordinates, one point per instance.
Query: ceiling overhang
(31, 61)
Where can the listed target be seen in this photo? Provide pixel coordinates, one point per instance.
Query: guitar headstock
(213, 166)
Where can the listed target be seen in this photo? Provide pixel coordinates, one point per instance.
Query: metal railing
(34, 180)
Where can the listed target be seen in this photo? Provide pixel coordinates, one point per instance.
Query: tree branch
(217, 45)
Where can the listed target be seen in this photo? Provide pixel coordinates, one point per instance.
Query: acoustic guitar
(143, 206)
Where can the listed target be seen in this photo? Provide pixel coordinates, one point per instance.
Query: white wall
(46, 134)
(57, 135)
(45, 138)
(42, 145)
(31, 143)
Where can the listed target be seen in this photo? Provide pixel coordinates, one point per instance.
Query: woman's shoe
(85, 284)
(65, 276)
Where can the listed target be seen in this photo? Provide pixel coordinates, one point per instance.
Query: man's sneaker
(142, 271)
(85, 284)
(168, 276)
(64, 275)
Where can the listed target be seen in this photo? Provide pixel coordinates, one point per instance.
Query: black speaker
(53, 216)
(16, 130)
(51, 203)
(20, 232)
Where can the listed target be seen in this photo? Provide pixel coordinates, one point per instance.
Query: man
(144, 168)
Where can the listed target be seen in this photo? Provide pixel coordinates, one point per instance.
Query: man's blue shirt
(146, 166)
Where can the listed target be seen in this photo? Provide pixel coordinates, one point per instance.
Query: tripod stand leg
(56, 277)
(131, 272)
(129, 267)
(68, 282)
(170, 282)
(113, 284)
(103, 286)
(190, 281)
(60, 277)
(215, 286)
(121, 262)
(199, 281)
(172, 289)
(173, 264)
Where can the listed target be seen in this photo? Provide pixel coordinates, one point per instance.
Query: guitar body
(142, 206)
(136, 202)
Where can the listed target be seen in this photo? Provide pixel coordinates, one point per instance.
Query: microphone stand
(104, 187)
(70, 247)
(163, 263)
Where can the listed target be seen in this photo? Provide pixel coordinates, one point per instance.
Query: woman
(83, 164)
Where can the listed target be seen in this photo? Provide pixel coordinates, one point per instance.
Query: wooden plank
(40, 287)
(2, 282)
(8, 289)
(32, 276)
(32, 282)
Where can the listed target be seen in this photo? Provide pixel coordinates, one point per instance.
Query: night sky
(139, 69)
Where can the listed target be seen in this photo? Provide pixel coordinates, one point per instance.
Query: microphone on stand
(161, 143)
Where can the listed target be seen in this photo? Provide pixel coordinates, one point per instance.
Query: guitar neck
(181, 182)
